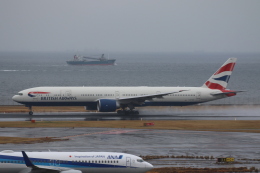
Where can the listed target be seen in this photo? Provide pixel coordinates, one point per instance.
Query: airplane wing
(51, 169)
(141, 99)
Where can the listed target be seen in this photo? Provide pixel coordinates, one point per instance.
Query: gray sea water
(22, 70)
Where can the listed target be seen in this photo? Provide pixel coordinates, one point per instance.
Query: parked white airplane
(109, 99)
(71, 162)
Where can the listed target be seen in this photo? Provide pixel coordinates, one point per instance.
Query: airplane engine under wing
(106, 105)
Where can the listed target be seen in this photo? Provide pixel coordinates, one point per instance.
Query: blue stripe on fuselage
(57, 163)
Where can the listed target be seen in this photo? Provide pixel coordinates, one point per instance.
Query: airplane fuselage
(89, 162)
(88, 96)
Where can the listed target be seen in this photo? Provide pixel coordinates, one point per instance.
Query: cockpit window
(20, 94)
(140, 160)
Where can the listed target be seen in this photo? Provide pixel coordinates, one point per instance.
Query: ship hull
(107, 62)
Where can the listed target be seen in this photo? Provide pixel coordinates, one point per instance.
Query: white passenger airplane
(110, 99)
(71, 162)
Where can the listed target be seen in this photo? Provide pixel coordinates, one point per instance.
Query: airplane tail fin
(220, 78)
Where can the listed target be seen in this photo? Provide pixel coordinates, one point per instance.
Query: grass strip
(252, 126)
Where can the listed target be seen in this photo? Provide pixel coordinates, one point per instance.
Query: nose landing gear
(30, 110)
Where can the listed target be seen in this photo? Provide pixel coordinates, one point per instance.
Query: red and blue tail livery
(220, 78)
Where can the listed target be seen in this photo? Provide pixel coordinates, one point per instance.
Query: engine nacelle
(107, 105)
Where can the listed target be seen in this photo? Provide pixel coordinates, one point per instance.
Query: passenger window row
(95, 161)
(91, 95)
(75, 161)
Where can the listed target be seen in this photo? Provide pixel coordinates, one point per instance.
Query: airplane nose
(16, 98)
(148, 165)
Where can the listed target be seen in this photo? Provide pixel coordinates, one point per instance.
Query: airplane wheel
(31, 113)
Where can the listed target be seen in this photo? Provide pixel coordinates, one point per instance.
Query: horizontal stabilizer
(225, 93)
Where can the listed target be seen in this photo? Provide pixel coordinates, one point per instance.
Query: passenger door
(117, 95)
(128, 162)
(198, 95)
(65, 93)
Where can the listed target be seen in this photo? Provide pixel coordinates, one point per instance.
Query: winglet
(27, 160)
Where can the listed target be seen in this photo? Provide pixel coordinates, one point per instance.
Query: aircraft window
(20, 94)
(140, 160)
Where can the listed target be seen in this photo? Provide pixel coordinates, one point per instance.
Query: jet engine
(107, 105)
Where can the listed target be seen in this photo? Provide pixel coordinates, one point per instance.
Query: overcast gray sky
(130, 25)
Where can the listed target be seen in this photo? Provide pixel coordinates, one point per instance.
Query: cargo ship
(82, 60)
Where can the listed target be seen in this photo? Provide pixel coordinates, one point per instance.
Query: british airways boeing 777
(71, 162)
(125, 99)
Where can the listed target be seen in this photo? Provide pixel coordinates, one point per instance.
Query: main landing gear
(127, 112)
(127, 109)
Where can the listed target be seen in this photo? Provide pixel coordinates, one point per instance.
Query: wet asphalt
(170, 113)
(143, 142)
